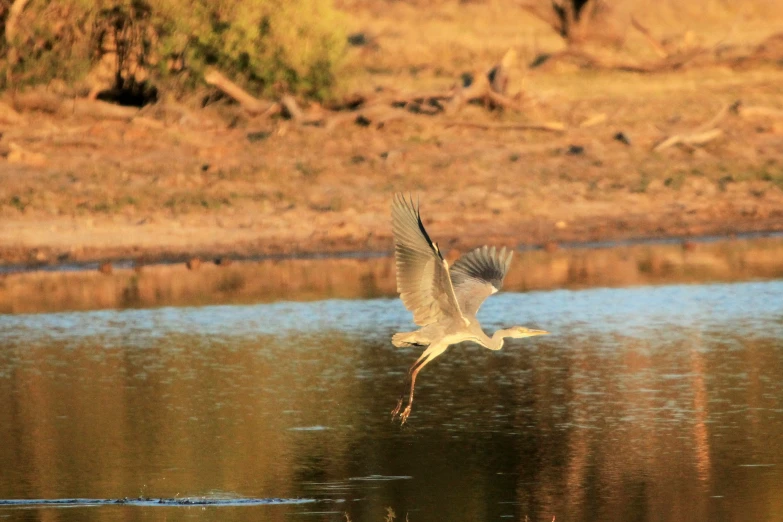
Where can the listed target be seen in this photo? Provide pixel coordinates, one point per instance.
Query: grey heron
(444, 301)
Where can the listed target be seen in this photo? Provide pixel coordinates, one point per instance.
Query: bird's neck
(496, 341)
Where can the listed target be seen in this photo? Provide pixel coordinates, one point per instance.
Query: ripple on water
(662, 312)
(642, 399)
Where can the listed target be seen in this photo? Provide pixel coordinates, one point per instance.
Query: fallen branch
(376, 115)
(99, 109)
(689, 139)
(476, 89)
(551, 126)
(12, 21)
(290, 105)
(399, 99)
(174, 112)
(722, 113)
(596, 119)
(498, 75)
(489, 87)
(250, 103)
(297, 115)
(37, 100)
(702, 134)
(504, 101)
(53, 103)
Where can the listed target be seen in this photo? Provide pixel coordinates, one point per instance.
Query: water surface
(654, 403)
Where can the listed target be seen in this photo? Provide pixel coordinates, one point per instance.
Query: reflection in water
(361, 278)
(645, 404)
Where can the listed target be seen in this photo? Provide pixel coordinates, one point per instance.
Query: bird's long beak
(531, 333)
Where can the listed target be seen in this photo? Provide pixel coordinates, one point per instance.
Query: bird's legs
(429, 354)
(412, 378)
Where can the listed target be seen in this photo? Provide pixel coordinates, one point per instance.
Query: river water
(660, 403)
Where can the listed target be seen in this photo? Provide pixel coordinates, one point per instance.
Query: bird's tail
(403, 339)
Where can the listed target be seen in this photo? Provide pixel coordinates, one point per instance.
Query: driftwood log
(250, 103)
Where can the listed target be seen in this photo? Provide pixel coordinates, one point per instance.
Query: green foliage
(49, 43)
(271, 46)
(268, 46)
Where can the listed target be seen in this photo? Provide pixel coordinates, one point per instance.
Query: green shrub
(269, 46)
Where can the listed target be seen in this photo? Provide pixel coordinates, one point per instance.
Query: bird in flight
(444, 301)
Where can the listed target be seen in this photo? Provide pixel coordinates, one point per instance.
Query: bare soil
(212, 182)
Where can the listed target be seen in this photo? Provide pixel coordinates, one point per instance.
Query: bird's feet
(396, 410)
(404, 415)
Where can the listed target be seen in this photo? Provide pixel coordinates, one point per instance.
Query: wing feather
(479, 274)
(423, 278)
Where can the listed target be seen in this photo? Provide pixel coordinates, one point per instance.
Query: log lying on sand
(39, 100)
(255, 107)
(250, 103)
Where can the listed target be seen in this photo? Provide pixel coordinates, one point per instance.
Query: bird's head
(519, 332)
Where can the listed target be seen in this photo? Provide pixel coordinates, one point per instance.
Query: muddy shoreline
(128, 286)
(363, 243)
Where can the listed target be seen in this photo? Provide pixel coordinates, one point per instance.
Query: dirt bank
(176, 182)
(306, 279)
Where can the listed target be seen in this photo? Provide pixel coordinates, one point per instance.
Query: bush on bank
(268, 46)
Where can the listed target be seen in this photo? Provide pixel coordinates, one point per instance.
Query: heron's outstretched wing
(477, 275)
(423, 279)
